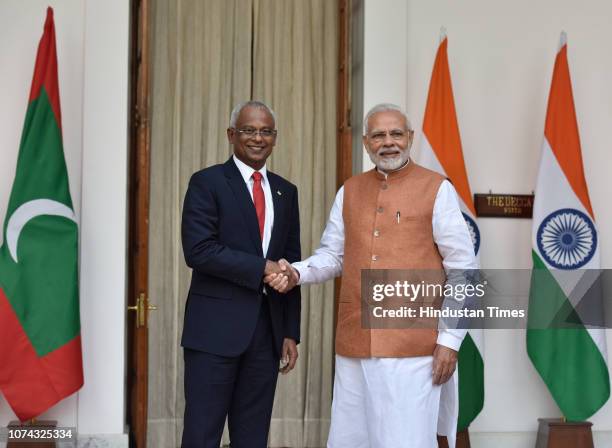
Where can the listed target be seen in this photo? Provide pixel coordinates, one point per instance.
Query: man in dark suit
(237, 218)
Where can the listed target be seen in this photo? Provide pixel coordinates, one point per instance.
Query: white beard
(389, 163)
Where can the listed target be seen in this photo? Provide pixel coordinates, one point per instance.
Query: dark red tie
(260, 201)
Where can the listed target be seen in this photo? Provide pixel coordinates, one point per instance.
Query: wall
(501, 57)
(92, 46)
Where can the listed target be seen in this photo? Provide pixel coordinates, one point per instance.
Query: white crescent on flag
(28, 211)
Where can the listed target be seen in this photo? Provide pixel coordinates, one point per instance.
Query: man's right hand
(284, 280)
(274, 267)
(444, 364)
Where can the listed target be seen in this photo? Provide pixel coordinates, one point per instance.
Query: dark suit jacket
(222, 245)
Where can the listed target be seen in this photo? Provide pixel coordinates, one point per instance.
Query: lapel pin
(278, 192)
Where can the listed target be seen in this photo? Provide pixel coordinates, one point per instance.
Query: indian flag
(571, 361)
(40, 342)
(441, 151)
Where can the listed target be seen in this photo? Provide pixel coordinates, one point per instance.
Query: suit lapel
(279, 198)
(244, 203)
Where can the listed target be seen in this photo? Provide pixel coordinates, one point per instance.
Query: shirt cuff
(451, 338)
(301, 267)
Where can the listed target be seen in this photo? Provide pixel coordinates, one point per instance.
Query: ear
(230, 134)
(364, 140)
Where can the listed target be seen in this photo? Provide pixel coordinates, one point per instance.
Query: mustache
(389, 149)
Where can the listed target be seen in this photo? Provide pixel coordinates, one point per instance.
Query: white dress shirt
(247, 174)
(450, 233)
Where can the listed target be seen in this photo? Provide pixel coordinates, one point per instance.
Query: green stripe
(43, 287)
(568, 360)
(471, 383)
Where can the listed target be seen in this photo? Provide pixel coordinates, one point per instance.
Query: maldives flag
(40, 343)
(441, 151)
(571, 361)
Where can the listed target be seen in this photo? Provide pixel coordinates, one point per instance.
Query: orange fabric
(376, 239)
(561, 129)
(441, 128)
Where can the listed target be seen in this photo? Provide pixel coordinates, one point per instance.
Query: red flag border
(32, 384)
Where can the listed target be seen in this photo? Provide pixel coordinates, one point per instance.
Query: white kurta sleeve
(326, 262)
(452, 237)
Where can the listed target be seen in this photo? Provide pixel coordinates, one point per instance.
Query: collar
(247, 172)
(396, 174)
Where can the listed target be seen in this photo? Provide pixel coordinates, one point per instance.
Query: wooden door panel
(139, 178)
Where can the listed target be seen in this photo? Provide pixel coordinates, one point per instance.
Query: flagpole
(442, 34)
(562, 40)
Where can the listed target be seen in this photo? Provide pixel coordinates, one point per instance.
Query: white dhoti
(390, 403)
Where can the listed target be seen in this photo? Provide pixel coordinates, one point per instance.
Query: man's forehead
(387, 119)
(252, 114)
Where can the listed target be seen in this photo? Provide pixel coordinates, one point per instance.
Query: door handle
(142, 309)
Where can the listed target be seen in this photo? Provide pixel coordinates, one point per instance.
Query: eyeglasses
(252, 132)
(395, 134)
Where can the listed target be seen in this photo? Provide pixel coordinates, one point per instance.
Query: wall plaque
(504, 205)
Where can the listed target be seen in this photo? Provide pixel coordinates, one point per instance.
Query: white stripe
(428, 158)
(554, 192)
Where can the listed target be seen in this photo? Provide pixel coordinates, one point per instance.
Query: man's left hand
(289, 355)
(444, 364)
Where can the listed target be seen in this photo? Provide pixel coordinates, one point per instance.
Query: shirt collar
(247, 172)
(387, 174)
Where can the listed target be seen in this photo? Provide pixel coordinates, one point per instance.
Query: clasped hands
(280, 275)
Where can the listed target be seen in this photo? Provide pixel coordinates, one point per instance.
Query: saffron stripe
(441, 127)
(561, 129)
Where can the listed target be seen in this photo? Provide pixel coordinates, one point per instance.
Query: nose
(388, 141)
(257, 137)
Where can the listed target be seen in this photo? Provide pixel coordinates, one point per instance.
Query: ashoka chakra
(474, 232)
(567, 239)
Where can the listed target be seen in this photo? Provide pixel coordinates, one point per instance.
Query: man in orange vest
(399, 215)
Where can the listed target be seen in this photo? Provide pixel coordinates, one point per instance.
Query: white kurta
(384, 403)
(391, 402)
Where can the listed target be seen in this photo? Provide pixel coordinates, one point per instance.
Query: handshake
(280, 275)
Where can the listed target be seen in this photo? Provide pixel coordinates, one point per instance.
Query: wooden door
(138, 255)
(344, 141)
